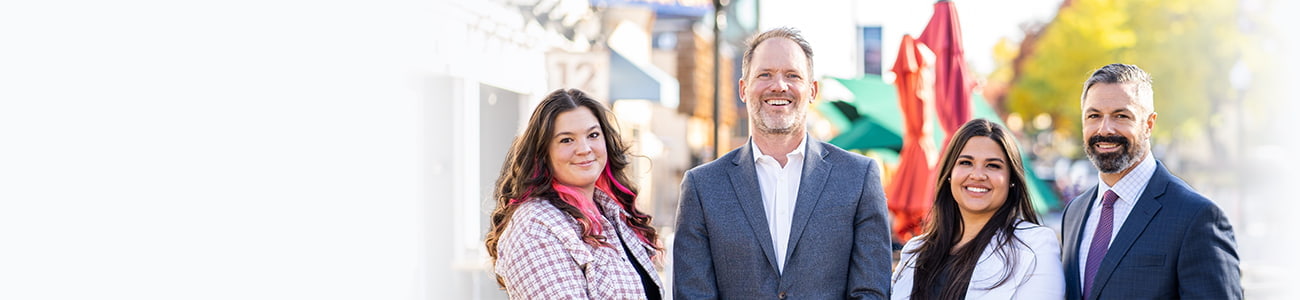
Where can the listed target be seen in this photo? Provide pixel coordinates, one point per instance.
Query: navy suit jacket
(1175, 244)
(839, 239)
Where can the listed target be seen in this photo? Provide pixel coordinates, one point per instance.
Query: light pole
(719, 20)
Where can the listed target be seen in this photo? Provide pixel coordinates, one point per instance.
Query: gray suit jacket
(839, 239)
(1175, 244)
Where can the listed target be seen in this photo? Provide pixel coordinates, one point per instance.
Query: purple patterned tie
(1100, 240)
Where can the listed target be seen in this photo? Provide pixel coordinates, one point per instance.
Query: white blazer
(1038, 273)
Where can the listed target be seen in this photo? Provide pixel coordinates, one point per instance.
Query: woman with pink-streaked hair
(566, 224)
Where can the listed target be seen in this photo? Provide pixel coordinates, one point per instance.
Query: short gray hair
(1121, 74)
(782, 32)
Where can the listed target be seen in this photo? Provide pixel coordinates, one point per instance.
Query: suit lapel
(815, 172)
(1143, 210)
(744, 180)
(1080, 208)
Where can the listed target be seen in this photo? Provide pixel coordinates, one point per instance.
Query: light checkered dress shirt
(1129, 189)
(541, 255)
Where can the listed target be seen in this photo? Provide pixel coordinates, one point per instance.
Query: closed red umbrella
(953, 84)
(911, 189)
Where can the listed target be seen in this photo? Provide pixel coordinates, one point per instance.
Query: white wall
(266, 149)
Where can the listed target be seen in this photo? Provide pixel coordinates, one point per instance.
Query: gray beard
(1111, 163)
(781, 131)
(762, 126)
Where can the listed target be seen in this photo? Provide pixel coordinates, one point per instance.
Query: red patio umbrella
(953, 85)
(911, 189)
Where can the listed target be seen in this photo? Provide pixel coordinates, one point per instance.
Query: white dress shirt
(1128, 189)
(780, 188)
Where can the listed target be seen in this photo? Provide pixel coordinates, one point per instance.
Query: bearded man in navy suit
(1142, 233)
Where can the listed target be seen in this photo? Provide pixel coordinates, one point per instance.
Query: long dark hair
(945, 227)
(525, 175)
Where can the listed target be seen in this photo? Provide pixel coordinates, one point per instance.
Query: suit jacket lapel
(744, 180)
(1143, 210)
(1073, 231)
(815, 173)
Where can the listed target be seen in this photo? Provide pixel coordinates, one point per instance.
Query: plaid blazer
(541, 255)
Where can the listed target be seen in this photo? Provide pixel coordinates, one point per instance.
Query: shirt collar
(1130, 187)
(798, 150)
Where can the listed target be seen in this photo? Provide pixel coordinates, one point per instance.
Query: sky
(984, 22)
(830, 26)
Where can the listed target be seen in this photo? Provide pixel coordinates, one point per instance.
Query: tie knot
(1109, 198)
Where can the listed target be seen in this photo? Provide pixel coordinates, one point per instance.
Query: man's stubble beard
(789, 124)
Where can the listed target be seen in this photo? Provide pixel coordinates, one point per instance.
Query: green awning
(873, 120)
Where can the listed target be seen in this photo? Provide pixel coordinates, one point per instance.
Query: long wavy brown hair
(525, 175)
(944, 228)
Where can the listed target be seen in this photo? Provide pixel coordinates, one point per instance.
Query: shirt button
(781, 295)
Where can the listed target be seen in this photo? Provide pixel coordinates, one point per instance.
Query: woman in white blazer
(983, 240)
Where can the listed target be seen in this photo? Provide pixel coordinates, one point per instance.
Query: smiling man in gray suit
(783, 216)
(1142, 233)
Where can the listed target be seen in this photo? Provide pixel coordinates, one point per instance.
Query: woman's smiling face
(577, 149)
(981, 177)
